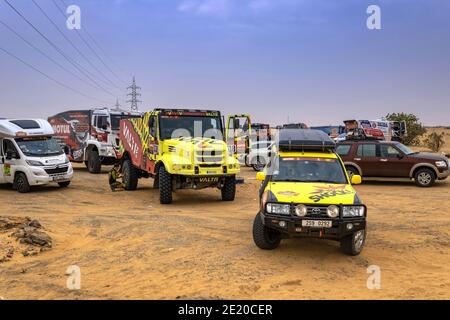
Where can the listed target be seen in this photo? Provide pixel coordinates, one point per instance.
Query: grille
(210, 153)
(316, 211)
(210, 165)
(209, 159)
(57, 170)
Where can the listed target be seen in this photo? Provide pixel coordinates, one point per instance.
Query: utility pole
(134, 95)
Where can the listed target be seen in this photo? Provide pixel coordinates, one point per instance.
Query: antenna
(134, 95)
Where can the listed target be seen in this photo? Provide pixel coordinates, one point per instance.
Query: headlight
(441, 164)
(34, 163)
(301, 210)
(66, 161)
(333, 211)
(353, 211)
(274, 208)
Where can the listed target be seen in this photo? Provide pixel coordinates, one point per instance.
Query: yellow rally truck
(179, 149)
(306, 192)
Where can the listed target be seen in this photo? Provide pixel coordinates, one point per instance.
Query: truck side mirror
(356, 179)
(261, 176)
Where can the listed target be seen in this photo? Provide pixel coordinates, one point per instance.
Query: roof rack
(304, 139)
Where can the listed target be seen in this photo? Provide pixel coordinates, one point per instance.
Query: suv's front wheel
(265, 238)
(424, 177)
(353, 244)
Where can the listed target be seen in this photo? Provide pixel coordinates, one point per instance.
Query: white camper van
(31, 156)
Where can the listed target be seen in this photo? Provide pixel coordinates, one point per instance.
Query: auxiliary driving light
(349, 226)
(333, 211)
(282, 224)
(301, 210)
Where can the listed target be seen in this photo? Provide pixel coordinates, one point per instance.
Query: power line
(74, 63)
(108, 81)
(50, 77)
(44, 54)
(94, 41)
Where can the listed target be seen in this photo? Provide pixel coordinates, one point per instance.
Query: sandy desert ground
(130, 247)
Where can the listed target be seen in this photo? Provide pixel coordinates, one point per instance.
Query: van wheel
(265, 238)
(165, 186)
(130, 176)
(259, 165)
(352, 245)
(351, 171)
(229, 189)
(424, 178)
(21, 183)
(94, 164)
(64, 184)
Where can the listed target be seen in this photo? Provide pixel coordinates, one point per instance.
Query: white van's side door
(2, 161)
(7, 172)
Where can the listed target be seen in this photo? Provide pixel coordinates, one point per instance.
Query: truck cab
(31, 156)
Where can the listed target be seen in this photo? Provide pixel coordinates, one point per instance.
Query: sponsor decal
(288, 193)
(209, 179)
(7, 170)
(328, 192)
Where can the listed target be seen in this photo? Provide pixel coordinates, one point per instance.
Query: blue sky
(310, 61)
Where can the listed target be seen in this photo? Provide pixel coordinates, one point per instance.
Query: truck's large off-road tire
(165, 186)
(21, 183)
(265, 238)
(64, 184)
(229, 189)
(424, 177)
(351, 171)
(130, 176)
(94, 163)
(352, 245)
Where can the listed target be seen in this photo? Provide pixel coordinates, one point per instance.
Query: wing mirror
(356, 179)
(260, 176)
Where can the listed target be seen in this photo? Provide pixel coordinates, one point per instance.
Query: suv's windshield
(187, 126)
(115, 120)
(404, 148)
(293, 169)
(41, 147)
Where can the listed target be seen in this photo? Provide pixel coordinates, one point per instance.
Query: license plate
(317, 223)
(211, 172)
(59, 178)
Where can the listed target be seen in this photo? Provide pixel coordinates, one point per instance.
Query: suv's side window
(388, 151)
(367, 150)
(343, 149)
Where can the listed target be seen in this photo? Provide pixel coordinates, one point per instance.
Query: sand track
(130, 247)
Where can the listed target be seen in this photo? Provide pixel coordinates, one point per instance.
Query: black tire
(351, 171)
(86, 164)
(246, 161)
(424, 178)
(64, 184)
(130, 176)
(353, 244)
(229, 189)
(21, 183)
(265, 238)
(94, 163)
(259, 165)
(165, 186)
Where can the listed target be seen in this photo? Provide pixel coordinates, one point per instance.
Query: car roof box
(304, 139)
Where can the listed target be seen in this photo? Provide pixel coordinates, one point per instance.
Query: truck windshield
(293, 169)
(115, 120)
(190, 126)
(39, 147)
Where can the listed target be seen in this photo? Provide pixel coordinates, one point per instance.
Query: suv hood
(312, 193)
(429, 156)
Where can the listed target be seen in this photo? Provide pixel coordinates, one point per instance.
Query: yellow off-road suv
(306, 192)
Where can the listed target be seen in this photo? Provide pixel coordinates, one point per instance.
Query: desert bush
(413, 125)
(435, 141)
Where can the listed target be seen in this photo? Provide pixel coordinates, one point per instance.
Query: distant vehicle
(387, 159)
(31, 156)
(259, 154)
(332, 131)
(294, 126)
(90, 136)
(376, 129)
